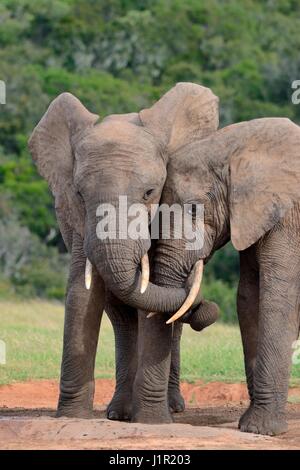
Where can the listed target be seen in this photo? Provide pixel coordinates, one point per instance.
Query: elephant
(88, 162)
(247, 178)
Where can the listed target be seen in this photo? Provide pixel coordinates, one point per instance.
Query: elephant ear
(264, 177)
(185, 112)
(52, 145)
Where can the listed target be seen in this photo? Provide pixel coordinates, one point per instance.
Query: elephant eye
(148, 194)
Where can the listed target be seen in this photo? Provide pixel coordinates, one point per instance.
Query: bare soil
(210, 421)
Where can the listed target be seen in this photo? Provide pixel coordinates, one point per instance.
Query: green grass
(32, 331)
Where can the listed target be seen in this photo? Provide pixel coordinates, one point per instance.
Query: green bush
(119, 56)
(224, 295)
(7, 290)
(224, 265)
(44, 276)
(29, 267)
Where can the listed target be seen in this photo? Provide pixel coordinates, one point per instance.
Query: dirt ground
(209, 422)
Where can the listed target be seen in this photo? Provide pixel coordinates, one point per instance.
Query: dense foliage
(118, 56)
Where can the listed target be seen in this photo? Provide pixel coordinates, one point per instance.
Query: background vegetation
(119, 56)
(34, 347)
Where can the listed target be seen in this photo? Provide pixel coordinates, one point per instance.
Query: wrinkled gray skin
(86, 163)
(248, 178)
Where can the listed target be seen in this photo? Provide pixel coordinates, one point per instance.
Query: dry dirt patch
(210, 421)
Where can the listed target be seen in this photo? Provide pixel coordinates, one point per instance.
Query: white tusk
(192, 294)
(145, 273)
(88, 274)
(152, 314)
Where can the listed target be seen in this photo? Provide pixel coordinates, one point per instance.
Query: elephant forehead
(124, 146)
(119, 148)
(123, 135)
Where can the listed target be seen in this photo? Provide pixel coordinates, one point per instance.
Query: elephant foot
(76, 402)
(119, 409)
(176, 401)
(261, 421)
(71, 410)
(154, 416)
(244, 418)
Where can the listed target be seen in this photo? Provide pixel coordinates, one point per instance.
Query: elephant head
(87, 163)
(246, 177)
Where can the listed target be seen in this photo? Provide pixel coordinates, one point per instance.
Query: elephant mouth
(194, 291)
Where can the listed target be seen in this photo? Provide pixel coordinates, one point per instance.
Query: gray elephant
(247, 176)
(87, 163)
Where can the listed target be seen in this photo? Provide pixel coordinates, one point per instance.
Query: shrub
(224, 295)
(29, 267)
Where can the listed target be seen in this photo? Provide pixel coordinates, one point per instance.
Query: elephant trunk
(119, 264)
(172, 263)
(173, 266)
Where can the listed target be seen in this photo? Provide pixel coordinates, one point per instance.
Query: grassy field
(33, 330)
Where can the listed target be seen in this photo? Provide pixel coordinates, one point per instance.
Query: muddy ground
(209, 422)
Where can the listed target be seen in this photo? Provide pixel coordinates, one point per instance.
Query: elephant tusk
(88, 274)
(152, 314)
(192, 294)
(145, 273)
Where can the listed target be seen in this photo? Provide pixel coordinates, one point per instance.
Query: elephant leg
(277, 329)
(176, 401)
(83, 312)
(150, 390)
(157, 383)
(248, 308)
(125, 324)
(205, 314)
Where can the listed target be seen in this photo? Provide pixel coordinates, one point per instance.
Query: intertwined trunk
(118, 262)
